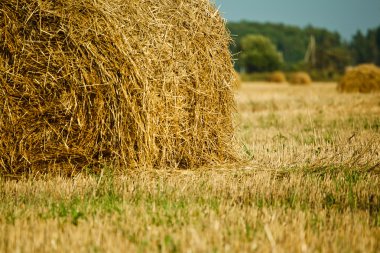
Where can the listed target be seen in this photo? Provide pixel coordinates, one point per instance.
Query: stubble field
(312, 184)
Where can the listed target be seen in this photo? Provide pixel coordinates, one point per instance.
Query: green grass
(241, 203)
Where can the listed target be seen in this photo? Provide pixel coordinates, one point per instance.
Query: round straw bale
(300, 78)
(138, 83)
(364, 78)
(277, 77)
(237, 81)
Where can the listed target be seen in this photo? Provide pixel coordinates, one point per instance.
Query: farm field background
(312, 184)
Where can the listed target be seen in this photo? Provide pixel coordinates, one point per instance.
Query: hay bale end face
(134, 83)
(300, 78)
(364, 78)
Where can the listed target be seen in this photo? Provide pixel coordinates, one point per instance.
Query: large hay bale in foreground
(300, 78)
(237, 81)
(277, 77)
(136, 83)
(363, 78)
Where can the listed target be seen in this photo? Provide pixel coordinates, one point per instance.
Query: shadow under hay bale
(277, 77)
(364, 78)
(300, 78)
(130, 83)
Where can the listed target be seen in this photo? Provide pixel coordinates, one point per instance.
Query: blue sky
(344, 16)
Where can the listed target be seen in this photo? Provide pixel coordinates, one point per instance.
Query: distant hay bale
(277, 77)
(363, 78)
(131, 83)
(300, 78)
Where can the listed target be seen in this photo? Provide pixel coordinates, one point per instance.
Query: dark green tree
(259, 54)
(366, 48)
(378, 46)
(360, 48)
(331, 54)
(291, 41)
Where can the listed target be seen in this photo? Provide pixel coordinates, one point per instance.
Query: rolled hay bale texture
(300, 78)
(139, 83)
(364, 78)
(277, 77)
(237, 81)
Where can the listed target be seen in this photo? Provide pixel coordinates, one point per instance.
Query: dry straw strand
(237, 81)
(132, 83)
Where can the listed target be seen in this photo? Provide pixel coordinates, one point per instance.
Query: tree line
(259, 47)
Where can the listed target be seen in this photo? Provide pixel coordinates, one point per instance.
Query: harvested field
(312, 185)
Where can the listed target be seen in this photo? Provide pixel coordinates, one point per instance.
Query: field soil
(311, 183)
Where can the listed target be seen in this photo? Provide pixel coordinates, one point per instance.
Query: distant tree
(360, 48)
(332, 54)
(377, 45)
(366, 48)
(259, 54)
(291, 41)
(336, 60)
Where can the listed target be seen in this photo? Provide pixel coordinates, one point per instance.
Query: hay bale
(134, 83)
(237, 81)
(300, 78)
(277, 77)
(364, 78)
